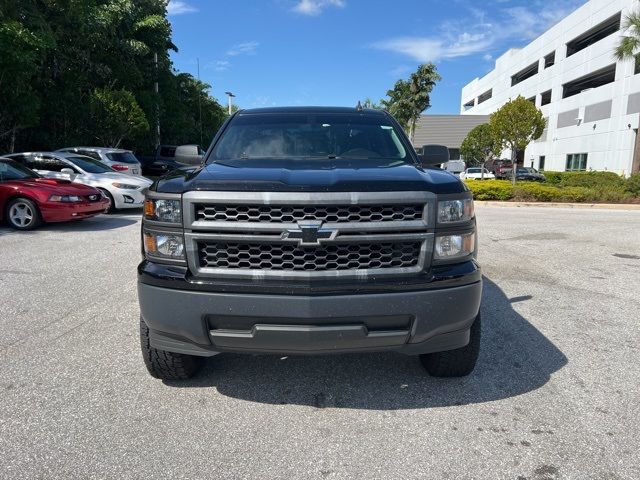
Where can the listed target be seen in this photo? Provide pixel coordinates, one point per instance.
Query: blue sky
(335, 52)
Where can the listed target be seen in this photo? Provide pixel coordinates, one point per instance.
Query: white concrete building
(591, 101)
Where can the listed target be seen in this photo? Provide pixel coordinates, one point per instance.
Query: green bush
(585, 179)
(633, 185)
(491, 189)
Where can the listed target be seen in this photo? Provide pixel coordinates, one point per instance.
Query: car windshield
(473, 170)
(122, 157)
(10, 170)
(321, 140)
(89, 165)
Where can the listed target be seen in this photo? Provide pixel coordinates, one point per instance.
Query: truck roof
(325, 110)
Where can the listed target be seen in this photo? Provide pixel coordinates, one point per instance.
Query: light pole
(230, 95)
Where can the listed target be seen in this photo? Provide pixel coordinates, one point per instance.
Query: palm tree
(628, 49)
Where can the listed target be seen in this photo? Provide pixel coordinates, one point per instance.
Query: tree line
(83, 72)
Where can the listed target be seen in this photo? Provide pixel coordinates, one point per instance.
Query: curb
(593, 206)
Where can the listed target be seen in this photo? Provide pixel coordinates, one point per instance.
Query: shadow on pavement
(93, 224)
(515, 358)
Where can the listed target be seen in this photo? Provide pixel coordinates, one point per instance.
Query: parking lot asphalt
(555, 394)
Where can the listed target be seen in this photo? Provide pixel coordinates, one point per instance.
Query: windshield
(10, 170)
(89, 165)
(473, 170)
(122, 157)
(332, 139)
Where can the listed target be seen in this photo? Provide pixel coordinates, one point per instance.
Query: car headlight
(164, 245)
(451, 247)
(163, 210)
(64, 198)
(450, 211)
(125, 186)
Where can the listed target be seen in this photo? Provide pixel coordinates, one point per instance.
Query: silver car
(123, 161)
(122, 191)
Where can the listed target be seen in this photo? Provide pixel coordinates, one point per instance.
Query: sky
(336, 52)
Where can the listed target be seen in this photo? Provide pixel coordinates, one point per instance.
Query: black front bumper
(419, 315)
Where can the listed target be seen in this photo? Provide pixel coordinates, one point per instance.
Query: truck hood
(285, 177)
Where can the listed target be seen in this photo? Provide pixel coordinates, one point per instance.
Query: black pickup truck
(309, 230)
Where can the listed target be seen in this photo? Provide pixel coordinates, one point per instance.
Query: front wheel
(108, 196)
(166, 365)
(458, 362)
(23, 214)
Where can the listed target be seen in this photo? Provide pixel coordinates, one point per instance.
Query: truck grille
(334, 257)
(307, 235)
(288, 214)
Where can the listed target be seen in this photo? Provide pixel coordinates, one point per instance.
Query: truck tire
(458, 362)
(166, 365)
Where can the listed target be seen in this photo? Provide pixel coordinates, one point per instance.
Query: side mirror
(434, 155)
(68, 171)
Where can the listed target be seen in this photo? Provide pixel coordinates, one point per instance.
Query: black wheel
(108, 196)
(458, 362)
(23, 214)
(166, 365)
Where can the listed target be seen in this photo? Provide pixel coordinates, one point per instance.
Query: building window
(593, 80)
(525, 73)
(541, 162)
(485, 96)
(545, 98)
(532, 99)
(550, 60)
(597, 33)
(469, 104)
(636, 68)
(576, 162)
(454, 154)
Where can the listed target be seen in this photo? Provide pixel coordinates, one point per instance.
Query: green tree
(628, 49)
(516, 124)
(409, 98)
(116, 115)
(480, 145)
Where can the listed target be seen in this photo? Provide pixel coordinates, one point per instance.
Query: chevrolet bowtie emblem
(310, 234)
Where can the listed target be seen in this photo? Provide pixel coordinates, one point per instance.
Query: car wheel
(166, 365)
(108, 196)
(458, 362)
(23, 214)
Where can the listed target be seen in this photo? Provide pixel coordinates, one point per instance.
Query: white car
(475, 173)
(123, 161)
(122, 190)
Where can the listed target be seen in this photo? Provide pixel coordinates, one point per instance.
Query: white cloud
(481, 33)
(221, 65)
(245, 48)
(315, 7)
(177, 7)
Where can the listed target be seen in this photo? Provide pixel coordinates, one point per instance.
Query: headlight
(64, 198)
(451, 247)
(125, 186)
(164, 245)
(450, 211)
(162, 210)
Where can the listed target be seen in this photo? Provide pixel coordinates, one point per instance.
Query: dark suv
(309, 230)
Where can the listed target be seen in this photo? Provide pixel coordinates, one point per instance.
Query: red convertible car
(27, 199)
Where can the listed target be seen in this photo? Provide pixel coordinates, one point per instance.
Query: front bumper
(206, 323)
(63, 212)
(127, 198)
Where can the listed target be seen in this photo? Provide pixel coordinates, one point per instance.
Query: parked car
(122, 191)
(339, 241)
(455, 166)
(498, 166)
(526, 173)
(123, 161)
(477, 173)
(27, 199)
(170, 157)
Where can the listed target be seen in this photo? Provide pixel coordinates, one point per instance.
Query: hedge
(547, 192)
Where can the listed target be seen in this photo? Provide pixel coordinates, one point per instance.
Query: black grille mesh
(355, 256)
